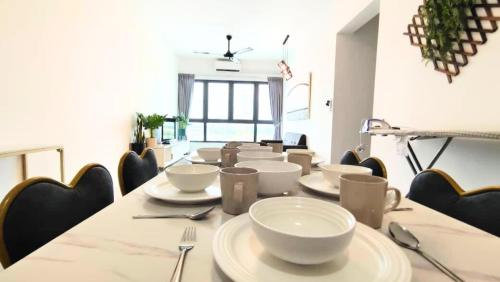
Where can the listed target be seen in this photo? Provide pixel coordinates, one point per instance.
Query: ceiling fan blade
(206, 53)
(248, 49)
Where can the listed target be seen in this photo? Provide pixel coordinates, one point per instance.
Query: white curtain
(276, 99)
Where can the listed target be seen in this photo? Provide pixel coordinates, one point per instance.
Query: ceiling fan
(228, 55)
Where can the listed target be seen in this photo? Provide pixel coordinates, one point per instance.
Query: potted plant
(153, 122)
(137, 144)
(183, 123)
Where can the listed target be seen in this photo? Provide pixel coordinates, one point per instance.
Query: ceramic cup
(229, 156)
(232, 144)
(364, 196)
(277, 146)
(304, 160)
(239, 189)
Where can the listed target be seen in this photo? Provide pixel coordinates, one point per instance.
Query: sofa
(291, 140)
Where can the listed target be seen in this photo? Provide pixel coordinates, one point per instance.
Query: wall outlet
(329, 104)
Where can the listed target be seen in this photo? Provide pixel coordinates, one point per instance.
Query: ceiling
(201, 25)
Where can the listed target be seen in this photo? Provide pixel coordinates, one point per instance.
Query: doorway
(355, 64)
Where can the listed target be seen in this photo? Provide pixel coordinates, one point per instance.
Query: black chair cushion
(375, 164)
(350, 158)
(437, 190)
(44, 208)
(135, 170)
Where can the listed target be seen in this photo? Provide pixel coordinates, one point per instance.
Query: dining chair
(135, 170)
(39, 209)
(439, 191)
(375, 164)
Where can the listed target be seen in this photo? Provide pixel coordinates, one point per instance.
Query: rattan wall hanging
(481, 19)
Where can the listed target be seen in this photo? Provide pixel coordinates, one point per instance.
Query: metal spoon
(406, 239)
(194, 216)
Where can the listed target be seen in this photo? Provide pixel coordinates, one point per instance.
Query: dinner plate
(316, 182)
(167, 192)
(314, 162)
(195, 159)
(370, 257)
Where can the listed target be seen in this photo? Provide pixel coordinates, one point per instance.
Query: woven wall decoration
(482, 19)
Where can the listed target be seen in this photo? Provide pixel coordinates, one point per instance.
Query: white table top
(111, 246)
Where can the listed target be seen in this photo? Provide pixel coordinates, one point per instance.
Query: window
(230, 131)
(230, 111)
(196, 105)
(243, 101)
(218, 100)
(264, 103)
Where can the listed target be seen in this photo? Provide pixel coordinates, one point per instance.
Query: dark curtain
(276, 98)
(186, 85)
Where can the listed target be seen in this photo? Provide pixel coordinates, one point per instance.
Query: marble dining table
(111, 246)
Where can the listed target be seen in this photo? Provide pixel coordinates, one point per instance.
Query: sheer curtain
(276, 98)
(186, 85)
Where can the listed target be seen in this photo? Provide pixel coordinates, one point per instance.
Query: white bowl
(259, 155)
(302, 230)
(209, 154)
(332, 172)
(275, 177)
(256, 148)
(192, 178)
(300, 151)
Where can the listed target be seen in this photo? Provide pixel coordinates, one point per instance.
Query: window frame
(205, 120)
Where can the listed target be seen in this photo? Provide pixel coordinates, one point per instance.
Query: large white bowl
(302, 230)
(259, 155)
(275, 177)
(192, 178)
(256, 148)
(332, 172)
(300, 151)
(209, 154)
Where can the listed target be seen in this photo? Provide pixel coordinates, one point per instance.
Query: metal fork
(187, 243)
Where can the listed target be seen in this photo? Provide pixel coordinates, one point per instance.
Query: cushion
(40, 209)
(376, 165)
(135, 170)
(437, 190)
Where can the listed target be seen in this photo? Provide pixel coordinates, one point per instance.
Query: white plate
(167, 192)
(316, 182)
(370, 257)
(195, 159)
(314, 162)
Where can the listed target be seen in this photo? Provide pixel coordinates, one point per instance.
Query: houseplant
(137, 144)
(444, 21)
(183, 123)
(153, 122)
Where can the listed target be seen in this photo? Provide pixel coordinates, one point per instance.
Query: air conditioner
(227, 65)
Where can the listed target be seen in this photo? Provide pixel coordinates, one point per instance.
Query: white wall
(74, 73)
(409, 93)
(356, 54)
(312, 49)
(204, 68)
